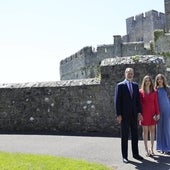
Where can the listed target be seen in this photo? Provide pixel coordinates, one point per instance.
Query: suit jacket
(125, 103)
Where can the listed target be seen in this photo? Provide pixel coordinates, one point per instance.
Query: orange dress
(149, 103)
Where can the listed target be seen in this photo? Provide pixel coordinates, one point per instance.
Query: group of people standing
(149, 107)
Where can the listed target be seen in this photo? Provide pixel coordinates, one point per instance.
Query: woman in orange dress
(150, 112)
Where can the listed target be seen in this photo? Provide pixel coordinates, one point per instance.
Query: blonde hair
(143, 86)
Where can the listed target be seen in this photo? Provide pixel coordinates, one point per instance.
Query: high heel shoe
(165, 152)
(148, 154)
(152, 153)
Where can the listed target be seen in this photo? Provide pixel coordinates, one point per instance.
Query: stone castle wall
(142, 26)
(74, 106)
(78, 65)
(167, 14)
(162, 42)
(140, 32)
(86, 106)
(86, 62)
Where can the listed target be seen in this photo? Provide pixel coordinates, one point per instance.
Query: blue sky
(35, 35)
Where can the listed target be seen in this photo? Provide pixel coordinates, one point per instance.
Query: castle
(86, 106)
(141, 39)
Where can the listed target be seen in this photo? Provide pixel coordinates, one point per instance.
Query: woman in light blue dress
(163, 125)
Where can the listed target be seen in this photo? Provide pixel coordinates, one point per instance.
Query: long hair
(143, 86)
(165, 85)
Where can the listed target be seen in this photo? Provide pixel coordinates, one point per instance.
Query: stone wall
(167, 14)
(141, 27)
(79, 106)
(85, 63)
(112, 70)
(76, 106)
(134, 48)
(162, 42)
(78, 65)
(140, 32)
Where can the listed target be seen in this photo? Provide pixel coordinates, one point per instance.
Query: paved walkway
(104, 150)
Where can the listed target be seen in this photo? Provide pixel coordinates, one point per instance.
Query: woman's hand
(158, 117)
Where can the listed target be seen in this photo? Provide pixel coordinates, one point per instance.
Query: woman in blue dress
(163, 125)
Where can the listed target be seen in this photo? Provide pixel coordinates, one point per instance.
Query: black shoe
(138, 157)
(165, 153)
(125, 160)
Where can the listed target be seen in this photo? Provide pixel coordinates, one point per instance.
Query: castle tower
(117, 45)
(167, 14)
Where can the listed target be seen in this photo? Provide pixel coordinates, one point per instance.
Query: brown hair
(165, 85)
(143, 87)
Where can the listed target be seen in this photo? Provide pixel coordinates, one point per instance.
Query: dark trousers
(126, 127)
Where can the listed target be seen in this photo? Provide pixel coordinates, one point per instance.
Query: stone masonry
(74, 106)
(86, 105)
(140, 40)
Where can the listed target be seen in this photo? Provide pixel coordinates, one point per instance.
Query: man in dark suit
(128, 110)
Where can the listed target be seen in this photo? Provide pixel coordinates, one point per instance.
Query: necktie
(130, 88)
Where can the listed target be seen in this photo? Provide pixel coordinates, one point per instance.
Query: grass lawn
(19, 161)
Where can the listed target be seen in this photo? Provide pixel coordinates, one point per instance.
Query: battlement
(152, 14)
(140, 33)
(155, 14)
(78, 55)
(85, 63)
(142, 26)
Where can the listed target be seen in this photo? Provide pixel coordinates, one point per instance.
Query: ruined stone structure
(138, 41)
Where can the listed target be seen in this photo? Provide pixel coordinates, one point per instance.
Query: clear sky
(35, 35)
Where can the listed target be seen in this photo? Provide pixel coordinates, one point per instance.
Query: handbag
(155, 117)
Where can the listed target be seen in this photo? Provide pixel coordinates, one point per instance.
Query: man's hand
(119, 119)
(140, 117)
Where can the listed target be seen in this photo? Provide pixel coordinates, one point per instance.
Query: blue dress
(163, 125)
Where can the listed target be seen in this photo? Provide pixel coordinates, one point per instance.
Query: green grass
(18, 161)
